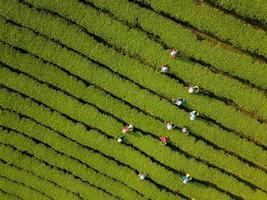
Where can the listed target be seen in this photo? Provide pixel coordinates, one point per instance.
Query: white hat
(169, 126)
(142, 176)
(191, 90)
(173, 53)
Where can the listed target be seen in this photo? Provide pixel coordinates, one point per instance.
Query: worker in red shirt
(164, 140)
(127, 128)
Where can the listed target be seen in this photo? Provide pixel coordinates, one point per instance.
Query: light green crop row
(199, 169)
(97, 161)
(247, 126)
(216, 22)
(70, 60)
(42, 152)
(52, 138)
(6, 196)
(121, 37)
(118, 34)
(246, 8)
(19, 190)
(35, 182)
(117, 189)
(49, 172)
(184, 41)
(156, 172)
(50, 74)
(218, 116)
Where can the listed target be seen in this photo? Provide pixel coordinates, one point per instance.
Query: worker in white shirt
(186, 178)
(174, 53)
(193, 89)
(193, 114)
(178, 101)
(141, 175)
(169, 125)
(185, 130)
(164, 69)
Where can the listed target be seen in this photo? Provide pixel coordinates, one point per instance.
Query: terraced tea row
(193, 46)
(169, 183)
(255, 11)
(243, 100)
(166, 117)
(122, 39)
(126, 175)
(19, 190)
(30, 180)
(86, 169)
(46, 153)
(88, 111)
(74, 73)
(86, 172)
(101, 99)
(215, 22)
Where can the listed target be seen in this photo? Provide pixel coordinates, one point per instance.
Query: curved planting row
(194, 47)
(29, 179)
(6, 196)
(154, 169)
(255, 11)
(213, 175)
(191, 73)
(254, 127)
(94, 140)
(215, 22)
(116, 169)
(53, 55)
(94, 95)
(46, 152)
(19, 142)
(120, 38)
(19, 190)
(24, 124)
(90, 175)
(72, 164)
(244, 94)
(46, 170)
(102, 97)
(197, 127)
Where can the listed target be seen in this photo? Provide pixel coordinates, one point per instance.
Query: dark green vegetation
(74, 72)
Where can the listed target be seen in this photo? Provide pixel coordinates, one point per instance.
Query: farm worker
(186, 178)
(141, 175)
(164, 140)
(169, 125)
(173, 53)
(185, 130)
(127, 128)
(193, 89)
(164, 69)
(178, 101)
(193, 114)
(120, 139)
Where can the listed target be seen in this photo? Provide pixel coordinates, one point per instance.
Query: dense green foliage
(73, 74)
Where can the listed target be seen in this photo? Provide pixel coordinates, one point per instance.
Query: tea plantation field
(74, 73)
